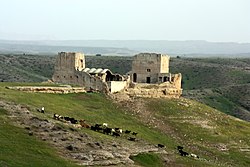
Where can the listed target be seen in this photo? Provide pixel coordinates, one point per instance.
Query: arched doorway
(134, 77)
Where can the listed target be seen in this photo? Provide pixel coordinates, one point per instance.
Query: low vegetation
(218, 139)
(217, 82)
(20, 149)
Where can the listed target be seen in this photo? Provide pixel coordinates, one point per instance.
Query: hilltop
(218, 139)
(222, 83)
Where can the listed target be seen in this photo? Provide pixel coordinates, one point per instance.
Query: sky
(210, 20)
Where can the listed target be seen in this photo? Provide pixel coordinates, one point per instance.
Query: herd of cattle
(103, 128)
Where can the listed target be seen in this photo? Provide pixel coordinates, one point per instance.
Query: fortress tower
(66, 65)
(150, 68)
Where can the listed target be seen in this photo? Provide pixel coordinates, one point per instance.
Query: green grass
(221, 103)
(20, 149)
(94, 108)
(147, 160)
(210, 72)
(180, 119)
(197, 73)
(188, 125)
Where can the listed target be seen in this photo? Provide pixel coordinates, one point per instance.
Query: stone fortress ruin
(149, 76)
(70, 69)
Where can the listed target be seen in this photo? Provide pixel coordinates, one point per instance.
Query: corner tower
(148, 67)
(67, 63)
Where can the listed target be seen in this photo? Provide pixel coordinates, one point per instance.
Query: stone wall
(164, 90)
(176, 80)
(147, 67)
(90, 83)
(116, 86)
(47, 89)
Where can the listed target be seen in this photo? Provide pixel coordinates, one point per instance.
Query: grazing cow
(66, 118)
(42, 110)
(73, 120)
(160, 145)
(77, 126)
(183, 153)
(134, 133)
(127, 131)
(179, 147)
(93, 128)
(194, 156)
(57, 116)
(105, 125)
(98, 127)
(107, 131)
(131, 138)
(116, 134)
(118, 130)
(83, 124)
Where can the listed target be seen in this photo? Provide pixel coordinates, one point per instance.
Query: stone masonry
(150, 68)
(150, 76)
(70, 69)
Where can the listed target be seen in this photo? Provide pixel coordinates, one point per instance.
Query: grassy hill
(222, 83)
(219, 83)
(20, 149)
(218, 139)
(25, 68)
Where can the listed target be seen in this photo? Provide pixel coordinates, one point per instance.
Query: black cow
(93, 128)
(127, 131)
(116, 134)
(98, 127)
(73, 120)
(179, 147)
(131, 138)
(160, 145)
(183, 153)
(66, 118)
(57, 116)
(107, 131)
(134, 133)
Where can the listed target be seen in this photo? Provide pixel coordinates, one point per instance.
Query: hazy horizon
(206, 20)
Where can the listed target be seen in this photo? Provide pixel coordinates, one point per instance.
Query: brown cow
(83, 124)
